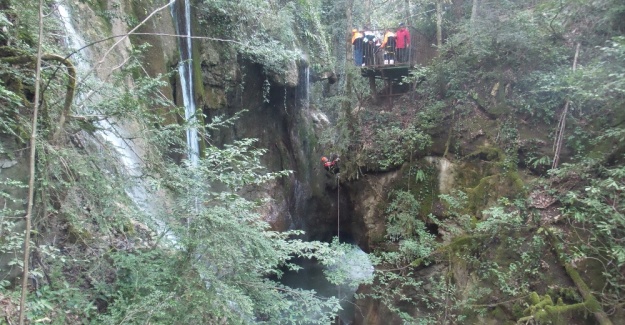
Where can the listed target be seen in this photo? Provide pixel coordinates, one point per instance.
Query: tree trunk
(474, 14)
(349, 7)
(374, 92)
(408, 13)
(439, 24)
(31, 181)
(368, 8)
(559, 139)
(590, 300)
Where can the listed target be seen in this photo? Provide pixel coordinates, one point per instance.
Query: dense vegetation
(526, 235)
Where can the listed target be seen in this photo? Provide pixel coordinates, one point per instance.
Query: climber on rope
(331, 165)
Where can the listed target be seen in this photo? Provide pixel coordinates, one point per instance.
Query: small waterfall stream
(185, 70)
(303, 85)
(116, 134)
(354, 264)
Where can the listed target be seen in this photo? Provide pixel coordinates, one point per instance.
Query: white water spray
(307, 87)
(113, 133)
(185, 70)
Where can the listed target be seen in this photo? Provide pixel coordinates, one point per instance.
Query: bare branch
(31, 181)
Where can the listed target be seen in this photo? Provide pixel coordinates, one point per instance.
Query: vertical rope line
(338, 208)
(338, 230)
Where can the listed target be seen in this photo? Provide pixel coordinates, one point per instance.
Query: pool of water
(355, 267)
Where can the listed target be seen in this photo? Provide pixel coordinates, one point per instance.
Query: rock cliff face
(275, 113)
(289, 130)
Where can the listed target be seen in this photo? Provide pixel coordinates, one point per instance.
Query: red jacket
(403, 38)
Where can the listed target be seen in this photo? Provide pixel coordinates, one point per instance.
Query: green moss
(128, 227)
(499, 314)
(498, 110)
(564, 294)
(460, 243)
(214, 98)
(480, 194)
(515, 180)
(534, 298)
(488, 153)
(590, 302)
(76, 235)
(492, 187)
(543, 310)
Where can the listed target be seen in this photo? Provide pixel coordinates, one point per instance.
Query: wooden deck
(386, 72)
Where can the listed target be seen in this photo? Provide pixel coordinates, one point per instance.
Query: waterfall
(185, 70)
(303, 85)
(115, 134)
(307, 87)
(446, 173)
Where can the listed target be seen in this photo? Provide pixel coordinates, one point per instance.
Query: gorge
(186, 187)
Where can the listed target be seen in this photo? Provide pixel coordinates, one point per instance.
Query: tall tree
(408, 12)
(31, 181)
(439, 23)
(474, 13)
(349, 15)
(440, 8)
(368, 12)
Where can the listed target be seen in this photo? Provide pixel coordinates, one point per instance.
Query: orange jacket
(386, 36)
(356, 35)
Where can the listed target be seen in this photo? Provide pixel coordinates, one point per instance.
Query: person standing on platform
(369, 47)
(403, 43)
(357, 42)
(388, 45)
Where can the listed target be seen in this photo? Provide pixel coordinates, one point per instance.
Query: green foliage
(208, 218)
(500, 218)
(456, 204)
(394, 146)
(394, 278)
(11, 238)
(597, 212)
(537, 162)
(165, 244)
(272, 34)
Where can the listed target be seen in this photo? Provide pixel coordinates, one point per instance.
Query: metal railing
(381, 48)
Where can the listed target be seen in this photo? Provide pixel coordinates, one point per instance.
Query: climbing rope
(338, 229)
(338, 209)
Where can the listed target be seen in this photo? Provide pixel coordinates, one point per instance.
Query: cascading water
(115, 134)
(111, 134)
(307, 86)
(185, 70)
(353, 264)
(303, 85)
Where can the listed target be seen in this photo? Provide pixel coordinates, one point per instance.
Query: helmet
(324, 159)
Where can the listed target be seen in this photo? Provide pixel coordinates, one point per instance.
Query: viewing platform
(390, 53)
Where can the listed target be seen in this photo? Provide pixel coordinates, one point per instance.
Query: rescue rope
(338, 208)
(338, 230)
